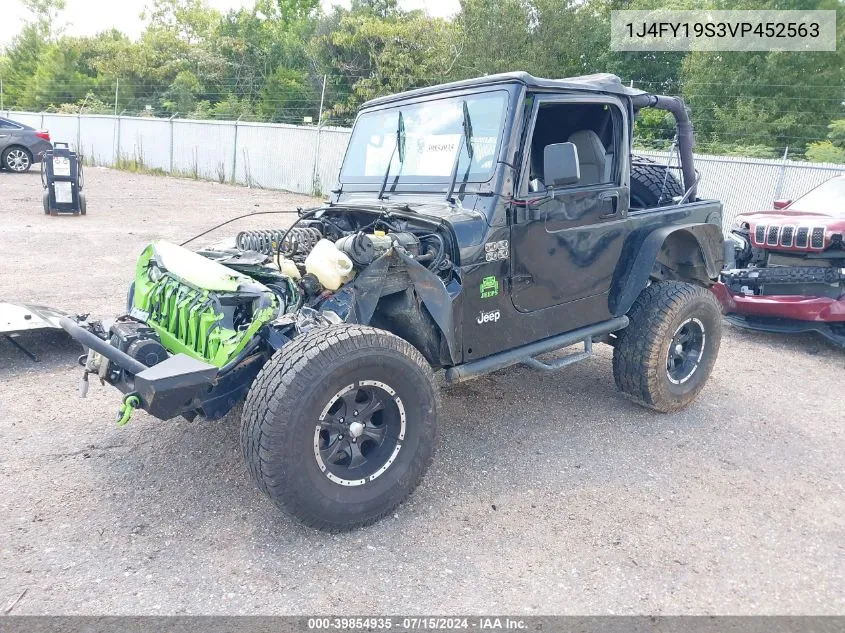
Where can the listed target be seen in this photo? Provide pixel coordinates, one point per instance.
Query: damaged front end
(200, 325)
(785, 278)
(190, 342)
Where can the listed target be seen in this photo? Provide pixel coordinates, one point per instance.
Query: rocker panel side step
(560, 363)
(526, 353)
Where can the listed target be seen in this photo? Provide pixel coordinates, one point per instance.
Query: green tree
(825, 152)
(45, 12)
(495, 36)
(836, 133)
(288, 96)
(22, 55)
(181, 96)
(21, 61)
(192, 20)
(771, 99)
(261, 45)
(375, 49)
(654, 129)
(59, 78)
(831, 150)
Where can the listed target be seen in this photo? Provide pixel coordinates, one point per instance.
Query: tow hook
(131, 401)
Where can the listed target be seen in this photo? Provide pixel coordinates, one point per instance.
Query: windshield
(828, 199)
(432, 133)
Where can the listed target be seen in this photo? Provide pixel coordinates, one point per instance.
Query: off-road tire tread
(638, 356)
(276, 383)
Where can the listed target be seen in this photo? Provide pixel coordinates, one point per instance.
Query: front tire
(340, 425)
(663, 358)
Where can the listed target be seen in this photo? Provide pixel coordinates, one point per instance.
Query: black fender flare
(357, 302)
(437, 300)
(642, 250)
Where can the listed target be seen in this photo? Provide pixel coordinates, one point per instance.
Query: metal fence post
(117, 148)
(315, 187)
(79, 125)
(170, 171)
(779, 186)
(235, 153)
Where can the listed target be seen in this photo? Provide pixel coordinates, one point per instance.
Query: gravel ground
(550, 494)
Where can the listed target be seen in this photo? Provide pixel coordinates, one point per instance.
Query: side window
(8, 125)
(594, 129)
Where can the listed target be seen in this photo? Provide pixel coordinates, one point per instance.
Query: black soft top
(600, 82)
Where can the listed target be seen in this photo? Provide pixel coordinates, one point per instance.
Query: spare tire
(652, 184)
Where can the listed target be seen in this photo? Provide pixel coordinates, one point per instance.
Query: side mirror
(560, 165)
(781, 204)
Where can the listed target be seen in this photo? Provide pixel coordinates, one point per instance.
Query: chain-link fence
(752, 184)
(307, 158)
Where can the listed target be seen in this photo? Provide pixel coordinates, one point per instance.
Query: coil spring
(299, 241)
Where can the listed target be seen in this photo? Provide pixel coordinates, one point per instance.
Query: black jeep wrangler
(475, 225)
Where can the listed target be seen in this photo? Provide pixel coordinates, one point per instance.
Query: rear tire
(301, 425)
(663, 358)
(652, 184)
(83, 204)
(45, 200)
(16, 159)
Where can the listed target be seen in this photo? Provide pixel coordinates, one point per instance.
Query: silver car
(21, 145)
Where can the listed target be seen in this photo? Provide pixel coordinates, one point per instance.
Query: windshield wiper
(400, 145)
(466, 141)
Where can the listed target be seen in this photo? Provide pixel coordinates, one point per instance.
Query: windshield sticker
(431, 154)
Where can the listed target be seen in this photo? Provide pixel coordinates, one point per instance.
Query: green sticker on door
(489, 287)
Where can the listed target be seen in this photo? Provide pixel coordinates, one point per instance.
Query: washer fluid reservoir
(331, 266)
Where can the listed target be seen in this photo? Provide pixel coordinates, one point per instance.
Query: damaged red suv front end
(788, 268)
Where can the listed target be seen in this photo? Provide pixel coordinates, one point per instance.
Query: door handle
(614, 204)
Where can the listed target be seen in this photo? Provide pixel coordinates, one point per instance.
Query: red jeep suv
(788, 268)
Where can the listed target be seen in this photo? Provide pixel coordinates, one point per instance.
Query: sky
(87, 17)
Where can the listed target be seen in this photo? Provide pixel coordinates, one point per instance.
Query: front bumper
(178, 385)
(789, 314)
(794, 307)
(801, 293)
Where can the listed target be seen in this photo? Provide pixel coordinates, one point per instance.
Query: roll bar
(686, 136)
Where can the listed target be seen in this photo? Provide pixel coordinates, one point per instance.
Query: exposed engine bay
(324, 266)
(306, 264)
